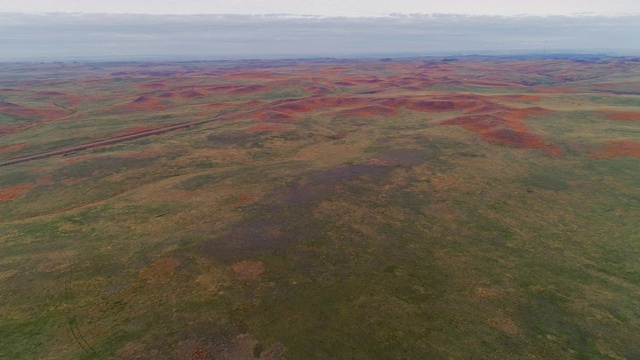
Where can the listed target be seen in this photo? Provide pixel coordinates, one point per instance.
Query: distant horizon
(86, 36)
(546, 55)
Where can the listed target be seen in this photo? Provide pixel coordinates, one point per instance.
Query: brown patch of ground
(7, 274)
(54, 263)
(242, 200)
(622, 115)
(159, 272)
(504, 324)
(129, 350)
(616, 148)
(248, 270)
(487, 293)
(241, 347)
(11, 148)
(14, 192)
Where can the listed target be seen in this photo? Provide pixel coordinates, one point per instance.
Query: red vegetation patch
(370, 110)
(616, 148)
(317, 103)
(622, 115)
(258, 128)
(14, 192)
(504, 129)
(11, 148)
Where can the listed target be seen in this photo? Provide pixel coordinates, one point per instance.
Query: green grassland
(335, 237)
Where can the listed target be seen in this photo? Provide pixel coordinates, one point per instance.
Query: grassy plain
(361, 209)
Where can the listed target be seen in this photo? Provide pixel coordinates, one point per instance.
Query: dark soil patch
(247, 239)
(274, 116)
(403, 157)
(317, 186)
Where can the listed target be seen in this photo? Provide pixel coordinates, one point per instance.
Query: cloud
(86, 36)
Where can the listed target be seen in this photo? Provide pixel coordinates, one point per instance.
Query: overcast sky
(136, 29)
(351, 8)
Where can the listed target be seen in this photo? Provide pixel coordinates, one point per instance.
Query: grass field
(361, 209)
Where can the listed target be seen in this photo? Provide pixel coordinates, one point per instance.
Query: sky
(220, 29)
(349, 8)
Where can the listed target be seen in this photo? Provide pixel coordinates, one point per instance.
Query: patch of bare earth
(7, 274)
(617, 148)
(11, 148)
(242, 347)
(487, 293)
(54, 262)
(14, 192)
(129, 350)
(504, 324)
(248, 270)
(622, 115)
(159, 272)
